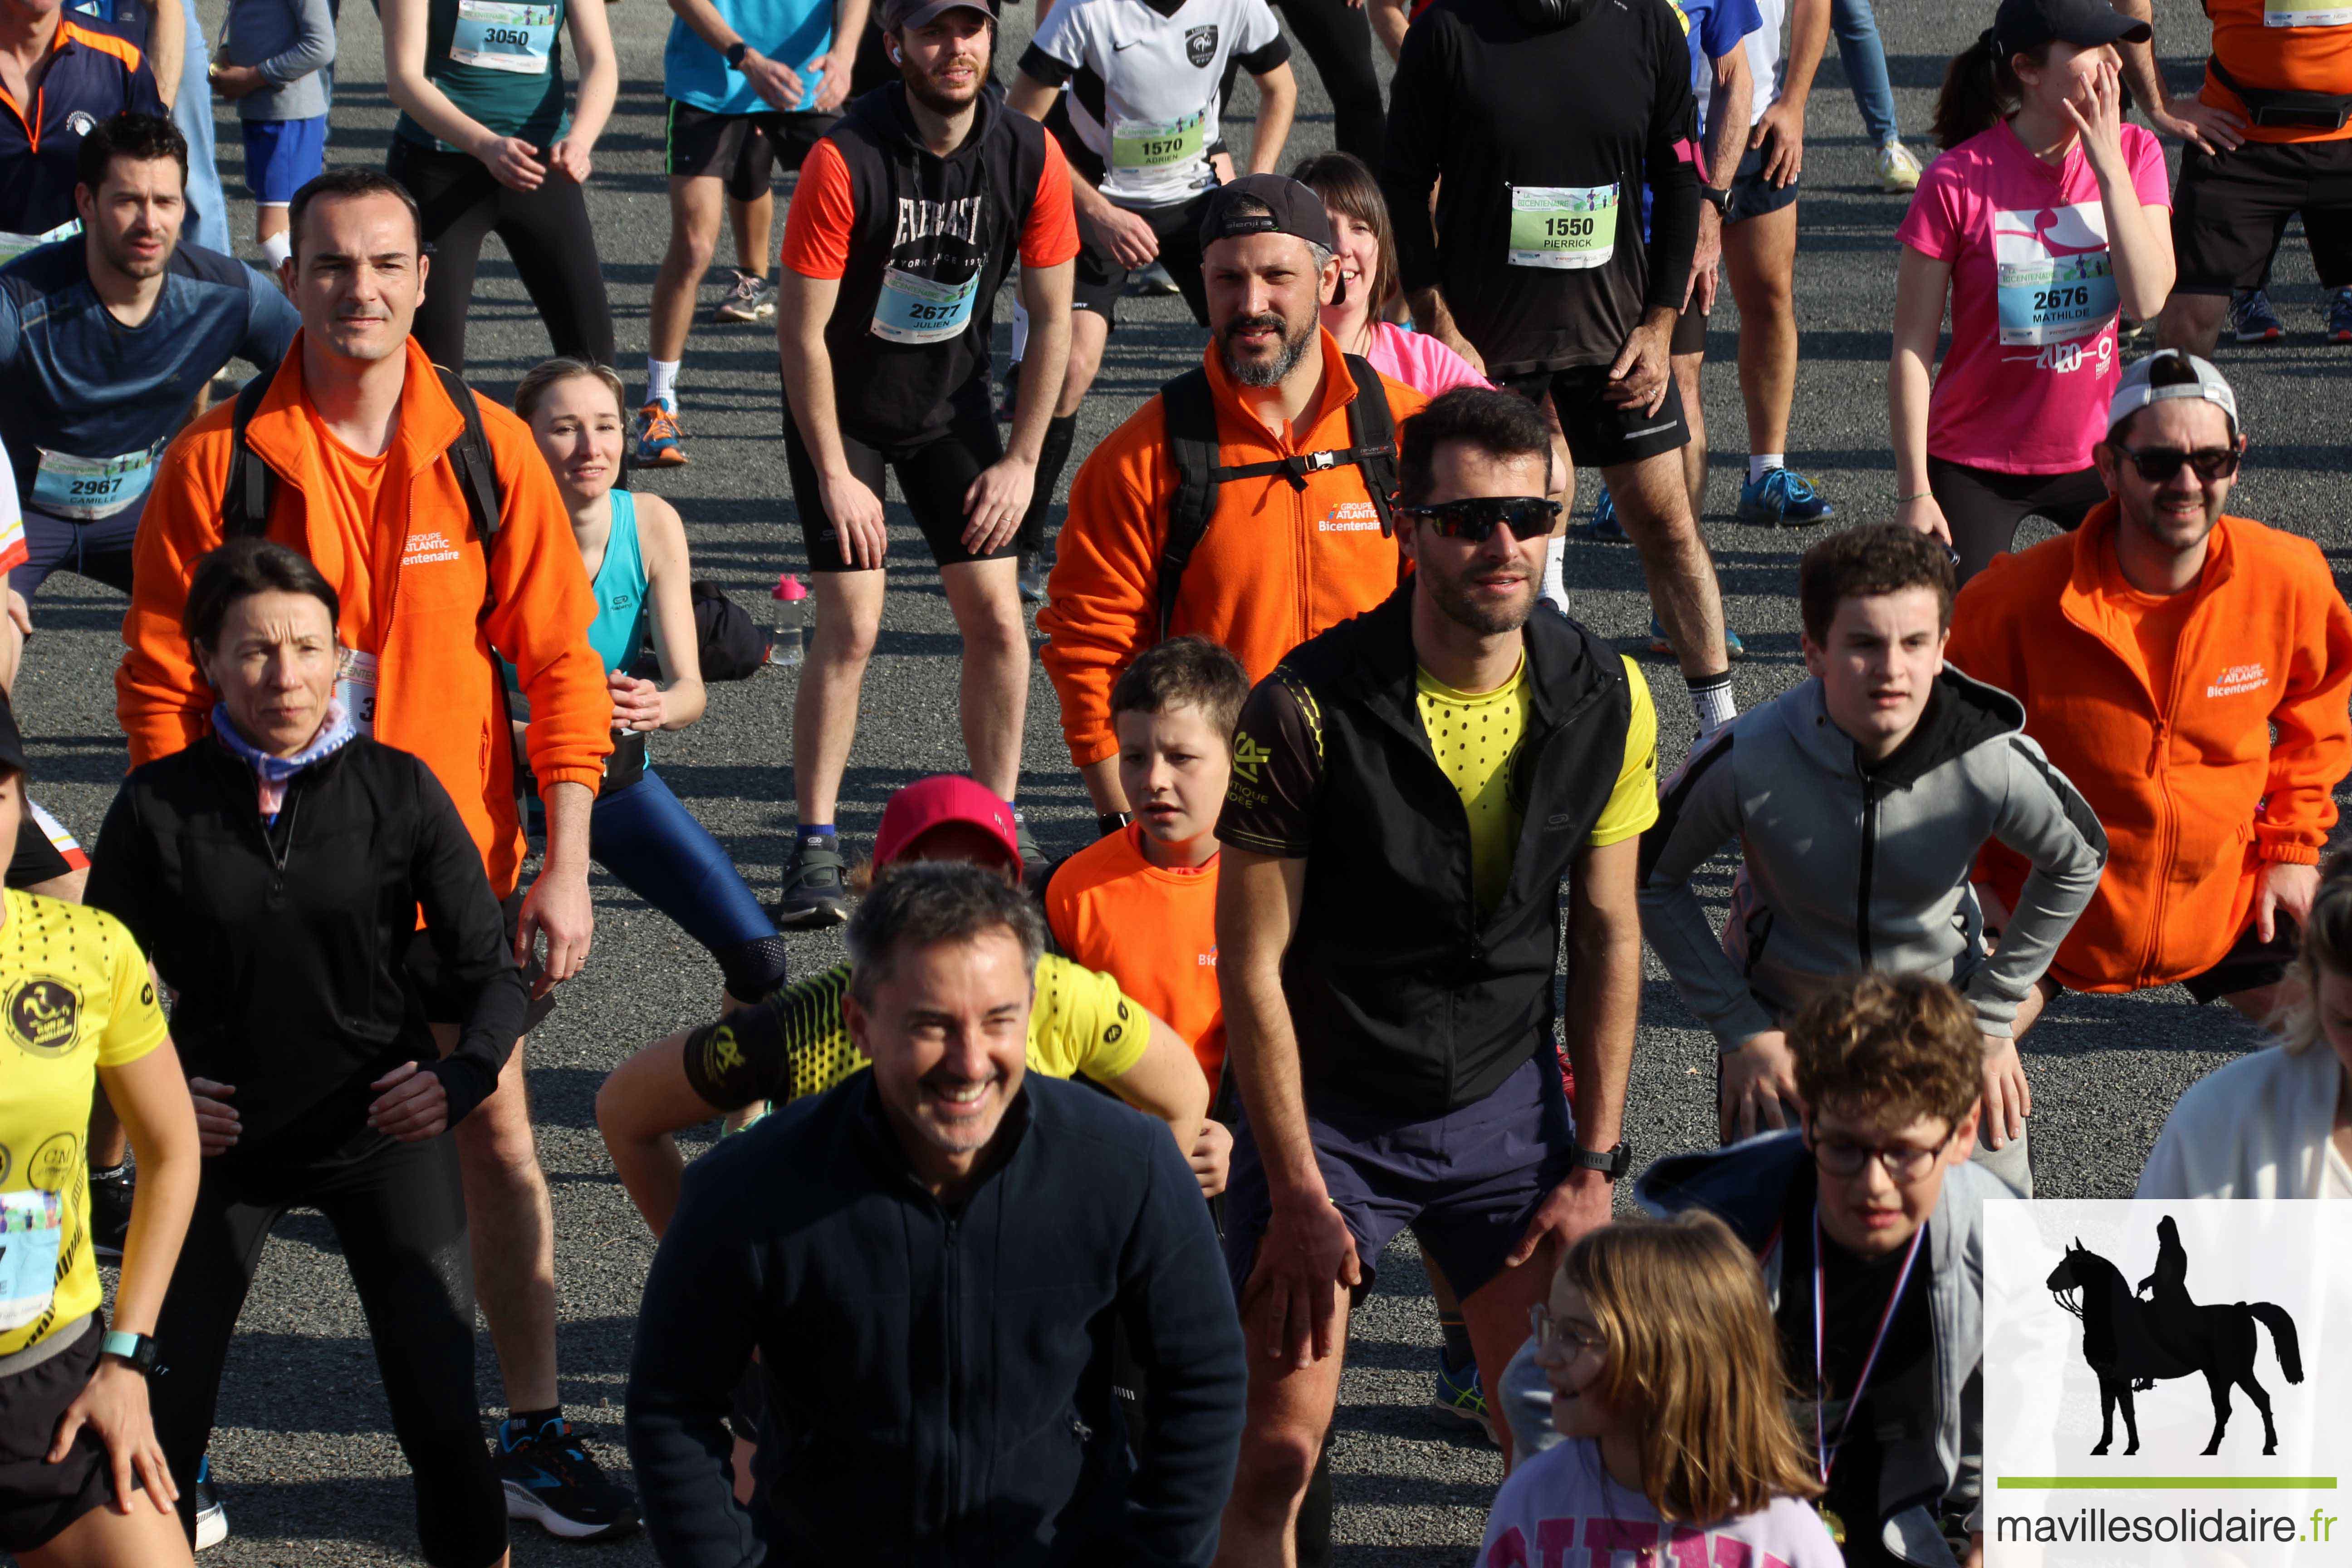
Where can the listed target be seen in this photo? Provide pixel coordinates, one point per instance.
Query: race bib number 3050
(1566, 227)
(500, 36)
(912, 309)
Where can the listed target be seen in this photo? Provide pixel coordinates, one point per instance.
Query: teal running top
(618, 632)
(500, 62)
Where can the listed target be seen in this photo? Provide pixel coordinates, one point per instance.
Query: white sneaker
(1897, 171)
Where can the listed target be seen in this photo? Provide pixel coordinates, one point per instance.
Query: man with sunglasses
(1869, 1223)
(1389, 1009)
(2187, 671)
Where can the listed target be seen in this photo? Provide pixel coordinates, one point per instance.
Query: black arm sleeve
(1277, 771)
(1178, 1306)
(1409, 160)
(1036, 62)
(1265, 57)
(695, 1337)
(463, 921)
(1673, 178)
(123, 875)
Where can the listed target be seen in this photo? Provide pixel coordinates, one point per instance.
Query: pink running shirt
(2024, 389)
(1419, 360)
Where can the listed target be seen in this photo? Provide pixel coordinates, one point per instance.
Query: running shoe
(816, 895)
(109, 1212)
(659, 443)
(1733, 648)
(752, 300)
(1025, 841)
(2339, 316)
(550, 1477)
(1603, 525)
(2251, 318)
(1034, 569)
(1783, 498)
(1010, 402)
(1151, 282)
(1898, 170)
(1456, 1391)
(212, 1520)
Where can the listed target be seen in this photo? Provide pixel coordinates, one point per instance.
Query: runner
(352, 451)
(1536, 144)
(1863, 56)
(273, 869)
(1367, 279)
(908, 217)
(75, 72)
(281, 54)
(106, 341)
(78, 1444)
(1396, 1072)
(2269, 135)
(751, 83)
(2037, 224)
(634, 548)
(1144, 106)
(486, 146)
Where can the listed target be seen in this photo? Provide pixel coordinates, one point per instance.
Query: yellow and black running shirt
(797, 1042)
(74, 998)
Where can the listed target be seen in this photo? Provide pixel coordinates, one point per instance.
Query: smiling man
(1860, 799)
(931, 1261)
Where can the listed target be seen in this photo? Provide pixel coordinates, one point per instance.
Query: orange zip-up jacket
(2195, 796)
(436, 681)
(1277, 565)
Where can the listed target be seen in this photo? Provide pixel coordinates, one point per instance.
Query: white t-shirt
(1143, 85)
(1768, 56)
(1562, 1505)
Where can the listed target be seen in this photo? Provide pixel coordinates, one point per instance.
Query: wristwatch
(1610, 1162)
(1717, 197)
(735, 53)
(143, 1354)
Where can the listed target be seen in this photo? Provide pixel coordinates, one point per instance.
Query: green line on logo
(2167, 1483)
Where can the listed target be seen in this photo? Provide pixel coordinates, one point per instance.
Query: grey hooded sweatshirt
(1846, 866)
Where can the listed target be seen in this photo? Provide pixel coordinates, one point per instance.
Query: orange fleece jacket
(436, 681)
(2195, 796)
(1277, 565)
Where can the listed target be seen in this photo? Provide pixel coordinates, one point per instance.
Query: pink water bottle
(788, 644)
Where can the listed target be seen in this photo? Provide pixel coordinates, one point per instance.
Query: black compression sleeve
(1674, 231)
(1409, 162)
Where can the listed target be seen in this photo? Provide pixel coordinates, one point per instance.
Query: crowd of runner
(1036, 1228)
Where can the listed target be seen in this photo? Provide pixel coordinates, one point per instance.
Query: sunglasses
(2156, 465)
(1475, 517)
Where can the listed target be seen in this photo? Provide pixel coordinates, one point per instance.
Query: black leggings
(1984, 505)
(400, 1214)
(546, 233)
(1338, 38)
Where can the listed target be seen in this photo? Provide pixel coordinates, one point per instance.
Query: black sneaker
(109, 1211)
(816, 895)
(212, 1520)
(550, 1477)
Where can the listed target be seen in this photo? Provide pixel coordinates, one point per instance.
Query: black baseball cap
(898, 15)
(1266, 204)
(12, 744)
(2021, 26)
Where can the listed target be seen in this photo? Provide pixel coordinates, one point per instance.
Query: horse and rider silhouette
(2131, 1344)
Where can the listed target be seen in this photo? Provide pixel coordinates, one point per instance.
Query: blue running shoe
(549, 1477)
(1733, 648)
(1603, 525)
(658, 445)
(1783, 498)
(2339, 316)
(2251, 318)
(212, 1520)
(1456, 1391)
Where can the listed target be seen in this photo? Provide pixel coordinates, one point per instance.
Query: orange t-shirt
(359, 492)
(2281, 45)
(823, 217)
(2156, 620)
(1153, 929)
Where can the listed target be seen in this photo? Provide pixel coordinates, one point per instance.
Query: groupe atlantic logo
(81, 123)
(2135, 1338)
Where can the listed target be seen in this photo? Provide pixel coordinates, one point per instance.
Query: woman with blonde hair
(2277, 1122)
(1666, 1378)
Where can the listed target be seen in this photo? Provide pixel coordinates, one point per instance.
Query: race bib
(499, 35)
(2056, 281)
(2306, 14)
(912, 309)
(355, 688)
(13, 246)
(31, 1226)
(88, 488)
(1159, 144)
(1566, 227)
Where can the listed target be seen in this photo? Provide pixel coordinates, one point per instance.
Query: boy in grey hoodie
(1860, 799)
(272, 62)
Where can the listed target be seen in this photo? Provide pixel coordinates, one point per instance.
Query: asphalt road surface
(304, 1453)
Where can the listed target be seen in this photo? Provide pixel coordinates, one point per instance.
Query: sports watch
(143, 1354)
(1610, 1162)
(1717, 197)
(735, 53)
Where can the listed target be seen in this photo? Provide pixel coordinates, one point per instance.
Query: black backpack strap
(471, 460)
(1191, 411)
(1372, 429)
(252, 483)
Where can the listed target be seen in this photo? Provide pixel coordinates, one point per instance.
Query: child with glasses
(1868, 1224)
(1666, 1382)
